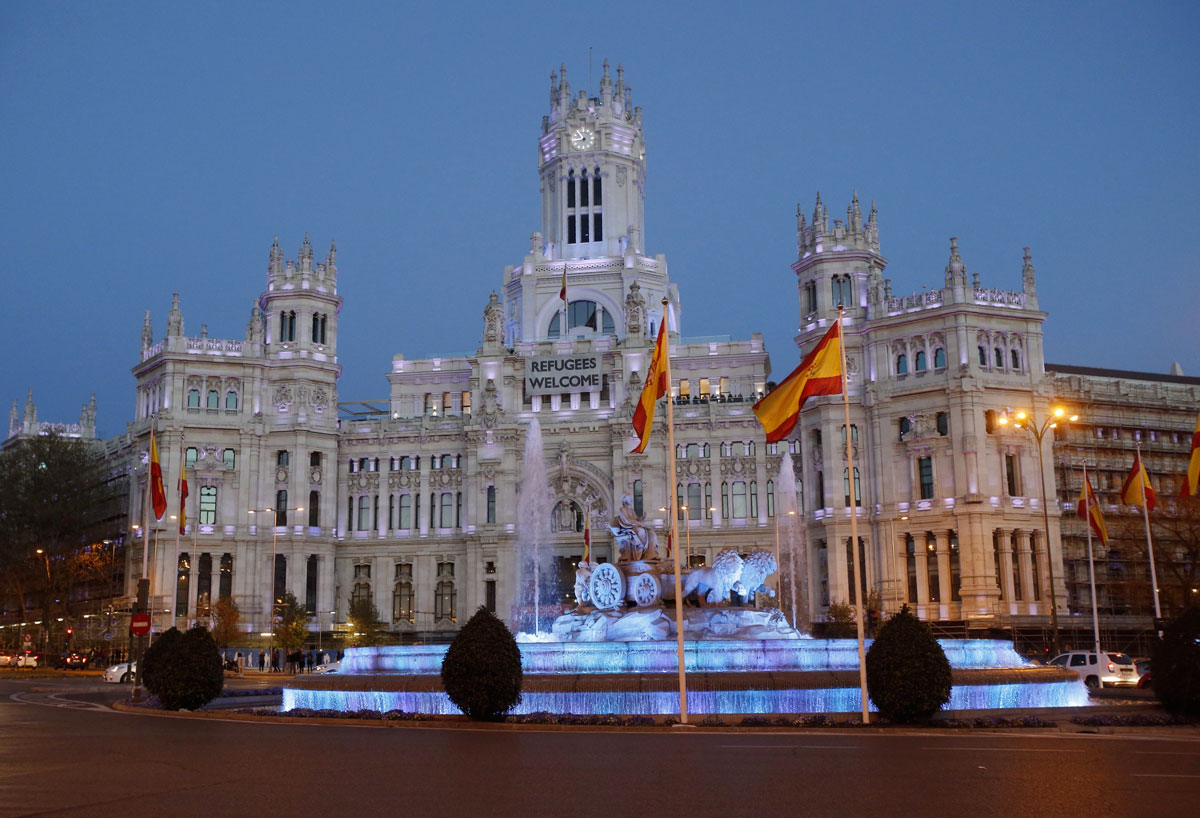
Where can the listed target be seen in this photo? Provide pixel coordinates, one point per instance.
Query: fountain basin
(731, 676)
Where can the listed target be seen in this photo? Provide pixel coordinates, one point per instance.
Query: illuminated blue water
(833, 700)
(713, 656)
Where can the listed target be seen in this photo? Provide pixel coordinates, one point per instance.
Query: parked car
(28, 658)
(121, 672)
(1098, 670)
(73, 661)
(7, 657)
(1143, 669)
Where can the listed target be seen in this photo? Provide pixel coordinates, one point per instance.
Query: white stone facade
(413, 504)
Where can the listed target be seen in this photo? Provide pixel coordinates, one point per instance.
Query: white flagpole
(173, 594)
(672, 513)
(1149, 542)
(1087, 505)
(858, 572)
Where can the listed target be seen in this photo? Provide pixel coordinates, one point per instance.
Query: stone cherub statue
(634, 540)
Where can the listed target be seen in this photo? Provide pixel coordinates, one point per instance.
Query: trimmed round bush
(1175, 664)
(482, 669)
(156, 658)
(908, 675)
(187, 674)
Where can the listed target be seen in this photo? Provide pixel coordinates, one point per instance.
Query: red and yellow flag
(1089, 510)
(587, 534)
(1137, 482)
(819, 374)
(1191, 480)
(158, 497)
(653, 389)
(562, 293)
(183, 495)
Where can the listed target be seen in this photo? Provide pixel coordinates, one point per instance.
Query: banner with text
(562, 373)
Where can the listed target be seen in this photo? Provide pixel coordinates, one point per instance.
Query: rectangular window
(314, 460)
(447, 403)
(599, 224)
(364, 513)
(694, 502)
(724, 387)
(638, 501)
(910, 551)
(754, 499)
(189, 457)
(489, 594)
(229, 458)
(685, 388)
(739, 500)
(208, 505)
(447, 509)
(925, 468)
(931, 567)
(583, 191)
(182, 584)
(1010, 473)
(204, 585)
(597, 198)
(583, 228)
(466, 402)
(955, 569)
(281, 509)
(281, 457)
(280, 587)
(491, 504)
(225, 586)
(705, 390)
(310, 585)
(402, 593)
(314, 509)
(570, 229)
(404, 515)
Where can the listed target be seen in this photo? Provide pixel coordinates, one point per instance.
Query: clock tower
(592, 163)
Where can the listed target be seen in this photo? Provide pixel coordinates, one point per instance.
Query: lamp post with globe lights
(1028, 422)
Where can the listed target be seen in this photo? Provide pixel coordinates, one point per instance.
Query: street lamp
(1026, 421)
(274, 556)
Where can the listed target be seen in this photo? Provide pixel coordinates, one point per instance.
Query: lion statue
(755, 570)
(712, 584)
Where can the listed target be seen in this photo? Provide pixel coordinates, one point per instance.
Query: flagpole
(1087, 504)
(857, 570)
(173, 600)
(146, 504)
(1142, 478)
(672, 513)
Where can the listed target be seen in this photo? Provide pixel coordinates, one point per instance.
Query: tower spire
(175, 317)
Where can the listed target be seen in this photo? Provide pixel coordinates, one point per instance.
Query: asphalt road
(64, 751)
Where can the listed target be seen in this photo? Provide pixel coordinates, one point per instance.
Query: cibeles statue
(634, 541)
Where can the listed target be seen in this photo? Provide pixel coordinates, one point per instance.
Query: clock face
(583, 139)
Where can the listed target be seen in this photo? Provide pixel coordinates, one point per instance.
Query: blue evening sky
(148, 148)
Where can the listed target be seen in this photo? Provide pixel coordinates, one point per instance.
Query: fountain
(616, 652)
(535, 503)
(794, 553)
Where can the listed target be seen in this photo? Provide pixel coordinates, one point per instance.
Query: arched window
(362, 583)
(193, 399)
(586, 315)
(584, 189)
(999, 356)
(920, 361)
(402, 593)
(770, 498)
(905, 427)
(939, 358)
(213, 401)
(902, 364)
(571, 190)
(1016, 359)
(444, 597)
(706, 451)
(231, 400)
(364, 513)
(597, 200)
(982, 357)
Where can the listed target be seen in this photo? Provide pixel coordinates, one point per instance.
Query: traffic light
(873, 617)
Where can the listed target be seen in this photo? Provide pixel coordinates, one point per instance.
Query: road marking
(1003, 749)
(56, 700)
(788, 746)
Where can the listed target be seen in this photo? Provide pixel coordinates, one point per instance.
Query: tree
(1175, 664)
(482, 668)
(187, 671)
(364, 622)
(291, 623)
(157, 658)
(58, 495)
(908, 675)
(840, 621)
(225, 619)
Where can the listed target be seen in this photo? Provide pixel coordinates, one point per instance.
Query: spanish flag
(1089, 510)
(183, 495)
(653, 389)
(819, 374)
(1137, 482)
(587, 534)
(158, 497)
(1191, 480)
(562, 293)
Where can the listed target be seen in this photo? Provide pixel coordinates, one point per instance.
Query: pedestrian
(240, 661)
(261, 660)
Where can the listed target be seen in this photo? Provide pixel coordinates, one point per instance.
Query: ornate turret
(331, 260)
(147, 333)
(851, 234)
(1028, 281)
(306, 256)
(956, 271)
(14, 419)
(275, 260)
(87, 418)
(29, 421)
(175, 317)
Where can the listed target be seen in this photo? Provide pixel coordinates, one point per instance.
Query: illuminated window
(189, 457)
(444, 596)
(857, 487)
(229, 459)
(208, 505)
(402, 593)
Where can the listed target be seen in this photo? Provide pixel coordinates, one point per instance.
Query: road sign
(139, 624)
(28, 640)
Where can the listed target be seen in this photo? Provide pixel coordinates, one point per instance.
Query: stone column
(942, 538)
(1025, 561)
(1004, 540)
(921, 549)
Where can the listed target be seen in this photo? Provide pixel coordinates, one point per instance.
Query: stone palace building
(411, 503)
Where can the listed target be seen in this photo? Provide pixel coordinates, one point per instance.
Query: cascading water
(535, 504)
(794, 546)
